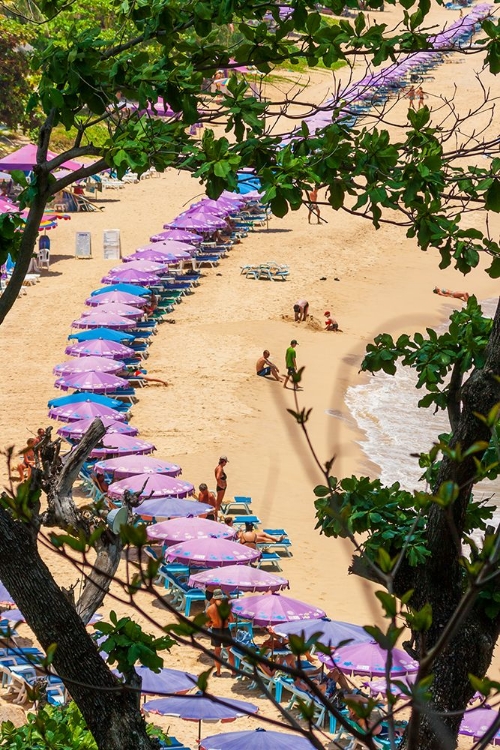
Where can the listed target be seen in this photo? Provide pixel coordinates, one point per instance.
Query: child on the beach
(330, 323)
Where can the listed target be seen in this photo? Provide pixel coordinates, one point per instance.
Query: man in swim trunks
(265, 367)
(291, 363)
(204, 496)
(219, 626)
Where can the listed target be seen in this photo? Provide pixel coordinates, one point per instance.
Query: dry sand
(371, 281)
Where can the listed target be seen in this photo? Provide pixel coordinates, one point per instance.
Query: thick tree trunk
(440, 581)
(110, 713)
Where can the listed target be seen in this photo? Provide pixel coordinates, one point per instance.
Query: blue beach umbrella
(107, 334)
(138, 291)
(257, 739)
(75, 398)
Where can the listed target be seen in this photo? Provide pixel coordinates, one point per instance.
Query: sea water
(394, 427)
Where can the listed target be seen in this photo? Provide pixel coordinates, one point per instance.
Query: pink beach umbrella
(127, 275)
(115, 308)
(176, 235)
(172, 507)
(85, 410)
(99, 319)
(76, 430)
(94, 382)
(121, 445)
(211, 552)
(151, 486)
(183, 529)
(24, 159)
(271, 609)
(88, 364)
(111, 298)
(101, 348)
(234, 578)
(369, 659)
(128, 466)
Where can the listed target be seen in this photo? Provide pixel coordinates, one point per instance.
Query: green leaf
(493, 196)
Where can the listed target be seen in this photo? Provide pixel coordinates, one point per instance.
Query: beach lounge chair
(208, 260)
(184, 596)
(239, 502)
(246, 519)
(283, 545)
(269, 559)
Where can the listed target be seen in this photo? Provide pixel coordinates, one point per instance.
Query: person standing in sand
(313, 205)
(301, 310)
(265, 367)
(420, 94)
(204, 496)
(291, 363)
(219, 625)
(411, 95)
(221, 481)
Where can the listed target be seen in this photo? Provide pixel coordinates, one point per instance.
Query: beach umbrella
(256, 739)
(208, 207)
(100, 348)
(122, 298)
(234, 578)
(173, 247)
(24, 159)
(75, 398)
(369, 659)
(164, 682)
(120, 445)
(76, 430)
(5, 598)
(176, 235)
(134, 289)
(200, 707)
(85, 410)
(88, 364)
(95, 382)
(184, 529)
(146, 266)
(106, 334)
(132, 276)
(379, 687)
(8, 207)
(163, 251)
(151, 486)
(211, 552)
(332, 632)
(114, 308)
(270, 609)
(171, 507)
(127, 466)
(204, 224)
(476, 723)
(97, 319)
(151, 255)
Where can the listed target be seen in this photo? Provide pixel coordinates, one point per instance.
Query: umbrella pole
(199, 733)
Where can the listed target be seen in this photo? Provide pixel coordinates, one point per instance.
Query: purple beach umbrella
(164, 682)
(256, 739)
(99, 319)
(476, 723)
(172, 507)
(131, 276)
(5, 598)
(121, 445)
(183, 529)
(76, 430)
(169, 247)
(177, 235)
(85, 410)
(211, 553)
(233, 578)
(200, 707)
(111, 298)
(88, 364)
(270, 609)
(332, 632)
(379, 687)
(127, 466)
(147, 266)
(94, 382)
(369, 659)
(203, 224)
(115, 308)
(101, 348)
(153, 256)
(151, 486)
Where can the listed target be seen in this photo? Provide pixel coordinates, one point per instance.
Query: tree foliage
(15, 81)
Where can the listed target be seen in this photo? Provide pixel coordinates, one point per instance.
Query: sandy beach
(371, 281)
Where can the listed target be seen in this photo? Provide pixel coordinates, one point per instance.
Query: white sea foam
(394, 427)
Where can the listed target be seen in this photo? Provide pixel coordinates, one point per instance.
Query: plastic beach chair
(269, 559)
(238, 502)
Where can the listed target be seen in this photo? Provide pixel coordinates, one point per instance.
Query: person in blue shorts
(265, 367)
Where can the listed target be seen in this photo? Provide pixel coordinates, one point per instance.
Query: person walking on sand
(265, 367)
(420, 94)
(301, 310)
(219, 625)
(411, 95)
(221, 481)
(313, 205)
(291, 363)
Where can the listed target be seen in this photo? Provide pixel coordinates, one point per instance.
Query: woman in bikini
(252, 538)
(221, 482)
